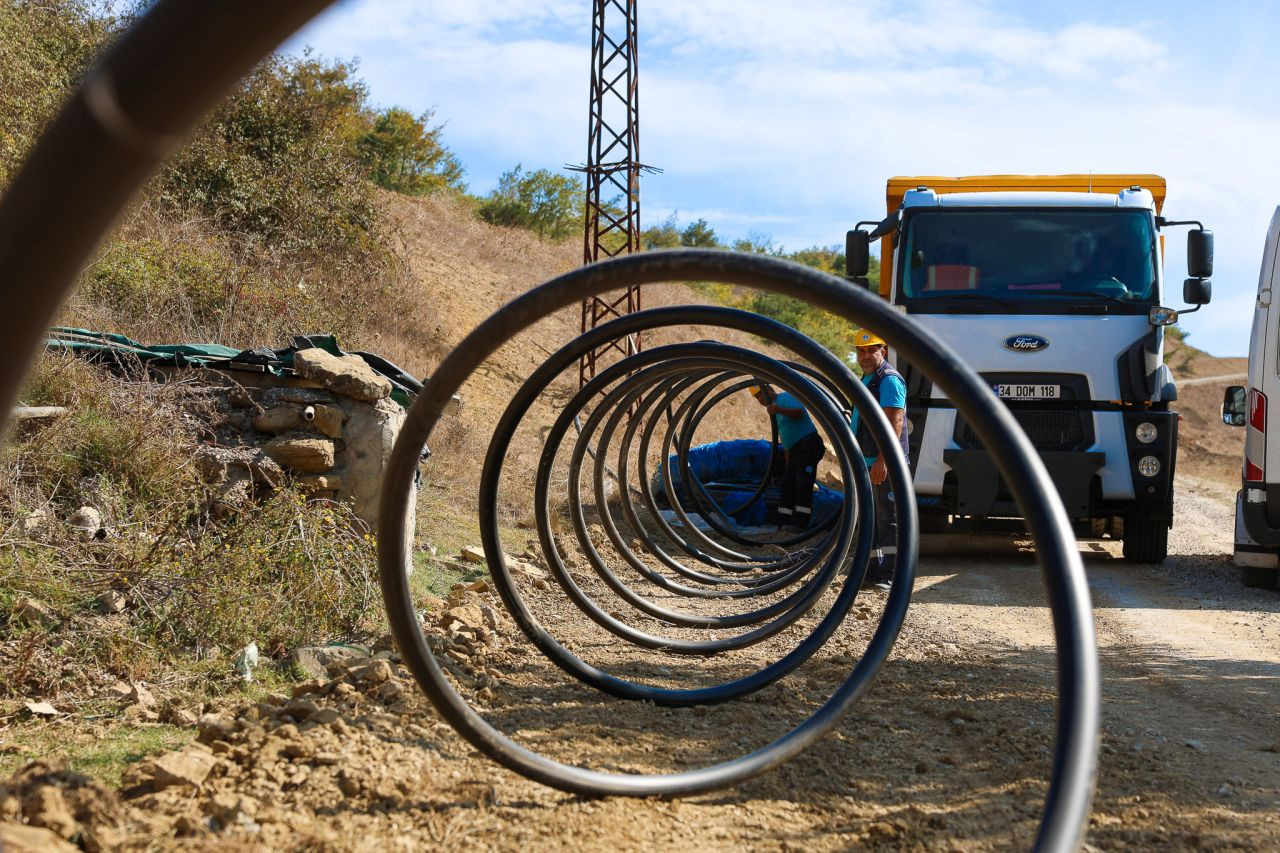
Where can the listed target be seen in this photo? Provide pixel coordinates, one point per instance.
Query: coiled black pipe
(183, 55)
(1071, 784)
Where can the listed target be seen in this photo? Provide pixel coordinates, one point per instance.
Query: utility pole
(613, 169)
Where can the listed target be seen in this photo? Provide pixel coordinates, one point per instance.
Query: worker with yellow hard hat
(889, 389)
(867, 338)
(802, 448)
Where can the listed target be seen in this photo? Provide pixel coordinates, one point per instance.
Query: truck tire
(1259, 577)
(934, 522)
(1146, 538)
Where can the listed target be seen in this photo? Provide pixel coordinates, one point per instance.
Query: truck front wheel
(1146, 538)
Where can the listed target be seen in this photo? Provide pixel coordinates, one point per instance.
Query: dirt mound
(67, 806)
(317, 769)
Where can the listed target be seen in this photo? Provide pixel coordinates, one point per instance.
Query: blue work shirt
(791, 430)
(893, 395)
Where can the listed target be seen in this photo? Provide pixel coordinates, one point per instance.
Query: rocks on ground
(45, 803)
(285, 772)
(348, 375)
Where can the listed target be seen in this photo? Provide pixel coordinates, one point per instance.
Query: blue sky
(784, 120)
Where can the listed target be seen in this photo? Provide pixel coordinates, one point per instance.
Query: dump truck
(1052, 288)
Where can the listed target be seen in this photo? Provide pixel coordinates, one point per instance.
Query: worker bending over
(803, 448)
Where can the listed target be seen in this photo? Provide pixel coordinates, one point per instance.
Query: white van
(1258, 501)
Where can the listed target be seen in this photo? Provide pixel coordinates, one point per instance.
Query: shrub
(277, 164)
(45, 45)
(284, 572)
(187, 282)
(405, 154)
(117, 439)
(549, 204)
(290, 572)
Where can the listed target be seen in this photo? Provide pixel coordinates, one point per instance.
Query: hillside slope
(1207, 448)
(461, 270)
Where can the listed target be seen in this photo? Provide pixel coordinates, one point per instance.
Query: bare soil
(949, 751)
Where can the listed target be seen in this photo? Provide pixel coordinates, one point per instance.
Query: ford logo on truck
(1025, 343)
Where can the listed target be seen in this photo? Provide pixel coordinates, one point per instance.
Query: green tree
(699, 235)
(826, 258)
(543, 201)
(276, 161)
(757, 243)
(833, 332)
(404, 153)
(665, 235)
(45, 45)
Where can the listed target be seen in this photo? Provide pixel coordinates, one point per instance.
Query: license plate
(1028, 392)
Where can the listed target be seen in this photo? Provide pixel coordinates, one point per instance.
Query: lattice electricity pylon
(613, 167)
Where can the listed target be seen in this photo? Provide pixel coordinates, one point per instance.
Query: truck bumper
(1249, 552)
(1253, 524)
(980, 492)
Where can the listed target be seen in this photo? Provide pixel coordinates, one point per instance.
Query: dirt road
(948, 752)
(1191, 676)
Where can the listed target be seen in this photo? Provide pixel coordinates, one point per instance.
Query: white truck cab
(1257, 548)
(1054, 294)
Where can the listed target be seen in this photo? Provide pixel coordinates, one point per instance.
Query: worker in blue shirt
(803, 449)
(890, 390)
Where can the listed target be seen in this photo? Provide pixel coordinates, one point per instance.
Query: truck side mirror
(857, 253)
(1197, 291)
(1199, 254)
(1233, 405)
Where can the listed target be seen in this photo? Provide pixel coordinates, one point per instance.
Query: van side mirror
(1233, 405)
(1199, 254)
(857, 253)
(1197, 291)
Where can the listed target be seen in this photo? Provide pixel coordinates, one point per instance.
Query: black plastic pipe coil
(183, 55)
(664, 392)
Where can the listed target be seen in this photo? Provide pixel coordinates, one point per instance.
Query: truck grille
(1050, 429)
(1047, 430)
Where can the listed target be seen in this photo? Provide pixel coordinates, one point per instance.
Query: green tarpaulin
(117, 351)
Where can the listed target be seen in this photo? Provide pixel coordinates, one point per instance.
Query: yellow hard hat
(755, 390)
(864, 338)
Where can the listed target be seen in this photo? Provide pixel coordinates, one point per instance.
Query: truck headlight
(1148, 466)
(1146, 432)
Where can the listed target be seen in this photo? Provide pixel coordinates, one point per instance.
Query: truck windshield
(1034, 259)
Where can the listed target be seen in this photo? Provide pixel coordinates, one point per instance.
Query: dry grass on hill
(458, 272)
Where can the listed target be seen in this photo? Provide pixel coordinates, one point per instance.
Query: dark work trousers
(795, 502)
(886, 541)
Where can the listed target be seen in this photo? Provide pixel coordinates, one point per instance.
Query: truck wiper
(1105, 297)
(984, 297)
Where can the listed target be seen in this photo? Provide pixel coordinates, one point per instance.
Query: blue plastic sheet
(730, 471)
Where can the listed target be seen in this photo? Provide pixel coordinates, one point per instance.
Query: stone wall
(331, 426)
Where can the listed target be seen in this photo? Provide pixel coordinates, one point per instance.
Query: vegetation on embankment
(273, 219)
(266, 223)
